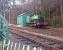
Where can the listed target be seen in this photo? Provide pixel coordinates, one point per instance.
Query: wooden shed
(23, 19)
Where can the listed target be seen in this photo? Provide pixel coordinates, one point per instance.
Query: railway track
(21, 39)
(39, 43)
(48, 31)
(44, 42)
(56, 39)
